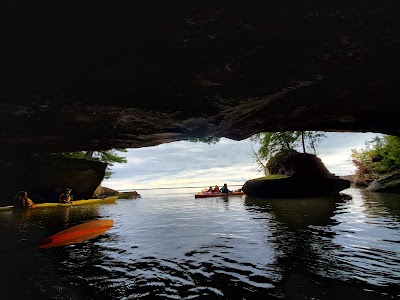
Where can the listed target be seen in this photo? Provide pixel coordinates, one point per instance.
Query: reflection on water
(170, 245)
(296, 213)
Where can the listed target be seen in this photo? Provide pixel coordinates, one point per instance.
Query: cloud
(184, 163)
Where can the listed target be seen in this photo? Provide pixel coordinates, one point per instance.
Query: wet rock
(389, 183)
(296, 175)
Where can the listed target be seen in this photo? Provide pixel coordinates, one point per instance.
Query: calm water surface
(169, 245)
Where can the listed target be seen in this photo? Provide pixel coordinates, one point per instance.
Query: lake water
(169, 245)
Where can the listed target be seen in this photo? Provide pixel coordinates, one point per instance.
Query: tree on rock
(275, 142)
(107, 156)
(380, 156)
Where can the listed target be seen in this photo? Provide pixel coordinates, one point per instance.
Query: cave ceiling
(93, 75)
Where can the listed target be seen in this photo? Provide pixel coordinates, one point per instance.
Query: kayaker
(210, 190)
(66, 196)
(216, 189)
(225, 189)
(21, 200)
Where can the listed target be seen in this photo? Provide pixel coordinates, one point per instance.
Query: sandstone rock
(129, 195)
(350, 178)
(295, 187)
(293, 163)
(389, 183)
(102, 192)
(299, 175)
(158, 72)
(45, 177)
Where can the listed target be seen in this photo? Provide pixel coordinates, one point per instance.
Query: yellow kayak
(72, 203)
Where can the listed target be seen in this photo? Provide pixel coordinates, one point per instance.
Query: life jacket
(64, 198)
(224, 190)
(20, 202)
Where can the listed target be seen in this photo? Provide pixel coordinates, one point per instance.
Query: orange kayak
(209, 194)
(76, 234)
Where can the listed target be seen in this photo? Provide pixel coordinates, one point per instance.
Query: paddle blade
(76, 234)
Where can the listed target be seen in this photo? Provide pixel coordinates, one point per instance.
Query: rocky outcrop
(295, 187)
(296, 175)
(45, 177)
(365, 179)
(103, 192)
(350, 178)
(291, 162)
(389, 183)
(129, 195)
(137, 73)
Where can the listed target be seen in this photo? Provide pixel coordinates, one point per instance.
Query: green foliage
(380, 155)
(78, 154)
(312, 138)
(272, 177)
(210, 139)
(110, 157)
(274, 142)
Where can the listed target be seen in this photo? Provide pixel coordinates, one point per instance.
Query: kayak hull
(208, 195)
(76, 234)
(73, 203)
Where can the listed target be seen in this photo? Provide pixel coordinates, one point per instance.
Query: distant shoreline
(170, 188)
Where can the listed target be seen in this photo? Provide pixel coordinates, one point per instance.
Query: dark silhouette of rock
(46, 177)
(293, 163)
(158, 72)
(143, 73)
(298, 175)
(129, 195)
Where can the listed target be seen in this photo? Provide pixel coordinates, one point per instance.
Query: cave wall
(93, 76)
(46, 177)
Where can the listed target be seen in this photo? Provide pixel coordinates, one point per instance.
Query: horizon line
(166, 188)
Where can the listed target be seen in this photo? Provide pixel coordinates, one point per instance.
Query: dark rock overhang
(91, 76)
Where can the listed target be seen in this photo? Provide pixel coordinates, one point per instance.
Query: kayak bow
(76, 234)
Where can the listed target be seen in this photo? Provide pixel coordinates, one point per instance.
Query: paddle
(76, 234)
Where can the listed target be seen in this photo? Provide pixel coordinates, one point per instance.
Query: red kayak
(210, 194)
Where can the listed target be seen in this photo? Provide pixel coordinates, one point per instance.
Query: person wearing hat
(65, 197)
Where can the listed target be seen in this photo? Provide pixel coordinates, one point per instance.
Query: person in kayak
(216, 189)
(225, 189)
(210, 190)
(21, 200)
(66, 196)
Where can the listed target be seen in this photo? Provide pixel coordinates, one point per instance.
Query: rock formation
(45, 177)
(295, 175)
(389, 183)
(102, 192)
(84, 76)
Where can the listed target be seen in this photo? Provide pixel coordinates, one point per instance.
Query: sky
(189, 164)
